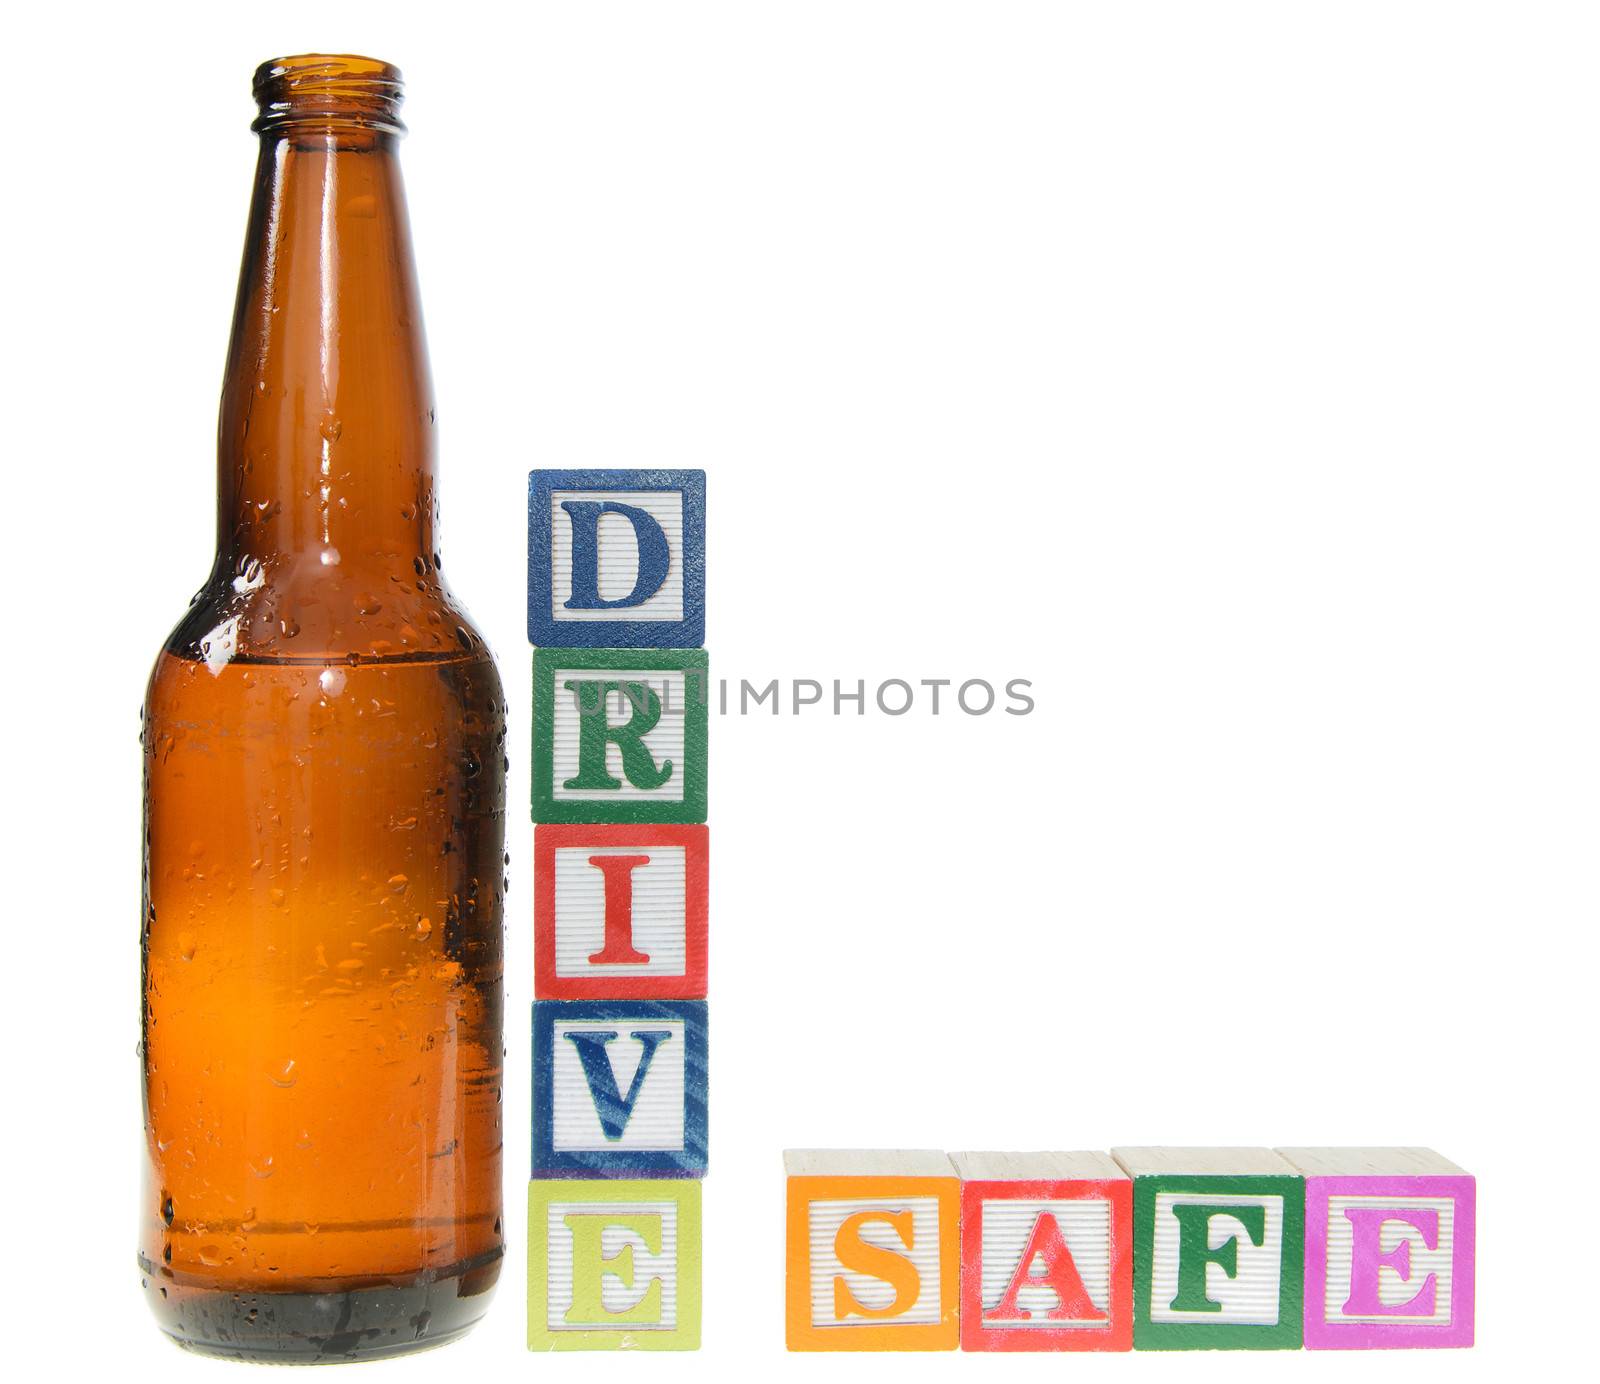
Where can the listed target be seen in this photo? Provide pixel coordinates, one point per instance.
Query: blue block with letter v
(617, 559)
(619, 1088)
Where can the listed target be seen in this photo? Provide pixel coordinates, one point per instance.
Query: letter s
(1016, 696)
(858, 1256)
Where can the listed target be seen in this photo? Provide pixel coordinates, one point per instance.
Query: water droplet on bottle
(283, 1074)
(187, 945)
(331, 429)
(330, 557)
(289, 627)
(398, 883)
(332, 681)
(251, 576)
(168, 1210)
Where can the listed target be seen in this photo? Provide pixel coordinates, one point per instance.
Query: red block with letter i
(619, 912)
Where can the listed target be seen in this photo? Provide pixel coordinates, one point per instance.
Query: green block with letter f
(1218, 1262)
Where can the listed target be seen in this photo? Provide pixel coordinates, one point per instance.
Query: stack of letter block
(616, 612)
(1144, 1249)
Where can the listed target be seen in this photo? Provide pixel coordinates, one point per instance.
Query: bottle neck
(326, 434)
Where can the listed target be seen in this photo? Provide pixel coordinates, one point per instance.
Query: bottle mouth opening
(329, 90)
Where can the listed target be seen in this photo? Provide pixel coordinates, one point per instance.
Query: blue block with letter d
(617, 559)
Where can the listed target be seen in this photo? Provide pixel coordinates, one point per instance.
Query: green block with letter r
(619, 735)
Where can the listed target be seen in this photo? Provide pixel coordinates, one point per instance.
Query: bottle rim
(328, 90)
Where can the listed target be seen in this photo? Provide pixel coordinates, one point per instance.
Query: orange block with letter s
(873, 1256)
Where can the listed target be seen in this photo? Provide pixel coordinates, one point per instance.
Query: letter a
(1060, 1276)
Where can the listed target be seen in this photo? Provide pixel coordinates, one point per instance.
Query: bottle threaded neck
(329, 90)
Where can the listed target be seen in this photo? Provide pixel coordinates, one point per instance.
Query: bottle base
(322, 1328)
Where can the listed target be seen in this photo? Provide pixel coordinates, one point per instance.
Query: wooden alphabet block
(619, 1088)
(619, 912)
(1389, 1248)
(873, 1250)
(616, 559)
(1218, 1249)
(1046, 1252)
(614, 1265)
(619, 735)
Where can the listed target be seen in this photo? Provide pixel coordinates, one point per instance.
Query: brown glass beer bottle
(324, 755)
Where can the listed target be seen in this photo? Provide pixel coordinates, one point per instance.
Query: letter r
(595, 732)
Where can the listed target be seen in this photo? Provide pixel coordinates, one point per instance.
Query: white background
(1227, 369)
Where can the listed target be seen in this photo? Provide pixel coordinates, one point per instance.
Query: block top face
(1037, 1167)
(1371, 1162)
(616, 558)
(1202, 1162)
(867, 1163)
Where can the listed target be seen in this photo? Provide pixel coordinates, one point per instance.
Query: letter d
(654, 554)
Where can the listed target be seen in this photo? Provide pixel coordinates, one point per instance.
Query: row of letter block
(1144, 1249)
(616, 606)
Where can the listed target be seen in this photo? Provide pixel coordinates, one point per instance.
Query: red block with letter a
(1046, 1252)
(619, 912)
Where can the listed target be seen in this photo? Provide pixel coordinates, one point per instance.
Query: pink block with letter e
(1389, 1248)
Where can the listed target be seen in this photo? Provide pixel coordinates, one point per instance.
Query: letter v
(613, 1108)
